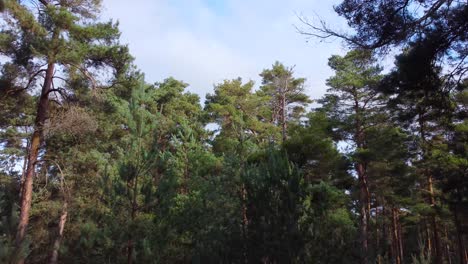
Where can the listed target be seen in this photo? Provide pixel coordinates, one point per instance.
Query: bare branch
(86, 74)
(60, 78)
(31, 80)
(55, 101)
(323, 31)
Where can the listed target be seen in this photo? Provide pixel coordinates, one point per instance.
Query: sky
(203, 42)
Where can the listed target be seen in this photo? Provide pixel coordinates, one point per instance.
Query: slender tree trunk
(435, 228)
(378, 216)
(395, 240)
(130, 244)
(428, 237)
(245, 221)
(130, 250)
(283, 115)
(36, 139)
(61, 227)
(400, 239)
(362, 177)
(447, 247)
(461, 243)
(363, 213)
(436, 249)
(385, 231)
(186, 172)
(130, 241)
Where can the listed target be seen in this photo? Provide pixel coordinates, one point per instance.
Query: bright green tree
(287, 100)
(238, 113)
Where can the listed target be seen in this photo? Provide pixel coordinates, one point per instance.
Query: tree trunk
(58, 239)
(130, 250)
(378, 216)
(435, 228)
(245, 222)
(428, 238)
(364, 213)
(283, 116)
(361, 169)
(436, 249)
(461, 243)
(130, 244)
(36, 139)
(395, 236)
(400, 239)
(385, 232)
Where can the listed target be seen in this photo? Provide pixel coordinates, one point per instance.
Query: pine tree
(238, 113)
(136, 167)
(420, 99)
(286, 95)
(55, 41)
(354, 103)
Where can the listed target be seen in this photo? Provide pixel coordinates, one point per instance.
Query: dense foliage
(98, 166)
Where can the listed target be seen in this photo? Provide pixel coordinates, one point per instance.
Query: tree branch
(86, 74)
(44, 2)
(322, 31)
(31, 80)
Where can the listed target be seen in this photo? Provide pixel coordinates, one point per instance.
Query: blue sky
(203, 42)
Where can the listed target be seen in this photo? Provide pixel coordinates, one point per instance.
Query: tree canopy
(99, 166)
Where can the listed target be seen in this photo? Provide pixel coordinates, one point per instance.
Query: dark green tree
(312, 148)
(355, 105)
(56, 37)
(420, 97)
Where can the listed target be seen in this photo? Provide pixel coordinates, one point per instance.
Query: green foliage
(145, 181)
(288, 217)
(239, 114)
(326, 221)
(311, 147)
(285, 96)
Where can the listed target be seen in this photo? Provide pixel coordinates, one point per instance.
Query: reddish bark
(36, 140)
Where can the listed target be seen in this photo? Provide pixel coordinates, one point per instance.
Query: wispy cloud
(203, 42)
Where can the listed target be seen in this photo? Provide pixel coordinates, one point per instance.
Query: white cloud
(203, 44)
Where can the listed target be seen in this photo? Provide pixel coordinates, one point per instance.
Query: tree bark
(130, 243)
(378, 216)
(396, 247)
(36, 140)
(400, 239)
(364, 197)
(428, 237)
(461, 243)
(245, 222)
(436, 249)
(385, 232)
(58, 239)
(364, 213)
(435, 228)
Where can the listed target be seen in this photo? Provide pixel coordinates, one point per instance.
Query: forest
(99, 166)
